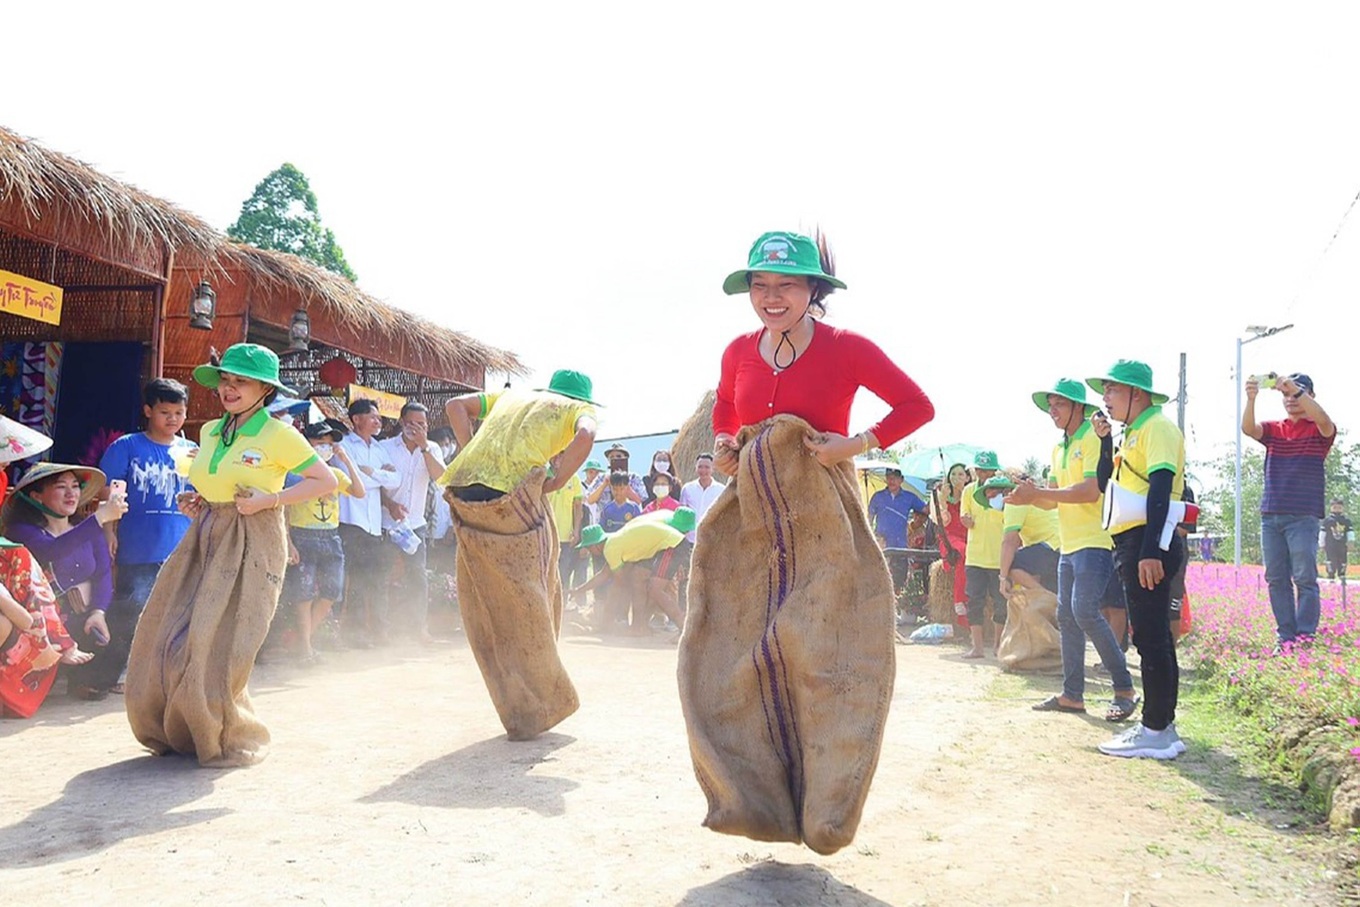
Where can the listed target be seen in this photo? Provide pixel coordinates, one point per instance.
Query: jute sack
(510, 596)
(786, 663)
(941, 599)
(1031, 641)
(196, 642)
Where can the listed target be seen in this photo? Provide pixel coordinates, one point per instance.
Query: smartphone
(117, 488)
(99, 636)
(1268, 380)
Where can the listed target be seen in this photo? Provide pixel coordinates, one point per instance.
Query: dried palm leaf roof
(355, 309)
(49, 185)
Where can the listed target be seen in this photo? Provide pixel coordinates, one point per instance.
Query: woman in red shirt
(948, 497)
(795, 364)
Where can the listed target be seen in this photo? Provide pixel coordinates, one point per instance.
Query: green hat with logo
(568, 383)
(249, 360)
(1131, 372)
(1068, 389)
(985, 459)
(682, 519)
(594, 464)
(780, 253)
(592, 535)
(998, 482)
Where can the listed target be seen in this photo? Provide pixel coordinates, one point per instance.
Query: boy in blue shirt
(152, 527)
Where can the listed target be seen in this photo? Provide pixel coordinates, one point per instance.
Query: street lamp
(1257, 332)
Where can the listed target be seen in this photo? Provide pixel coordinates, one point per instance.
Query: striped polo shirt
(1295, 480)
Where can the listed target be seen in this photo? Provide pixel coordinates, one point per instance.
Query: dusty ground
(390, 781)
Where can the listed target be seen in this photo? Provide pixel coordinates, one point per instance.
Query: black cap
(1303, 381)
(323, 429)
(890, 471)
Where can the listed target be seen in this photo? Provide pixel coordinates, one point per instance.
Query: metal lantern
(202, 306)
(299, 332)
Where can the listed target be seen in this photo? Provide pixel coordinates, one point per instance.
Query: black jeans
(981, 584)
(367, 564)
(132, 589)
(1150, 615)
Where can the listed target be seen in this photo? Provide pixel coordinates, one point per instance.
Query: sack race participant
(210, 609)
(643, 562)
(786, 673)
(509, 587)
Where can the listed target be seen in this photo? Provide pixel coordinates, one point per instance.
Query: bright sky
(1015, 192)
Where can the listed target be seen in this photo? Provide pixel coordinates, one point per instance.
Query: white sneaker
(1177, 742)
(1140, 742)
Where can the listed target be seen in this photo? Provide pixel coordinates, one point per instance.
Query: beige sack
(941, 599)
(510, 596)
(198, 636)
(786, 663)
(1031, 641)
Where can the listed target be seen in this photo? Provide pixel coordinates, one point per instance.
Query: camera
(1267, 381)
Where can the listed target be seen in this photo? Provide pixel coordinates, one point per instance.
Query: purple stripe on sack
(792, 763)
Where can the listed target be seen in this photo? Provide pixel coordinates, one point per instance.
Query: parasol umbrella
(871, 476)
(931, 462)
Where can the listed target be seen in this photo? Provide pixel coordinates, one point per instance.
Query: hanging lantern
(202, 306)
(337, 374)
(299, 332)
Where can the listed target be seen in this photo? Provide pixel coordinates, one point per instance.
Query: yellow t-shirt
(262, 453)
(1151, 442)
(1036, 525)
(565, 500)
(520, 430)
(1074, 461)
(322, 512)
(984, 539)
(639, 540)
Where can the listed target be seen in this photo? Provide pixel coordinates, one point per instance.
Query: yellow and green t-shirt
(1036, 525)
(639, 540)
(984, 539)
(564, 501)
(1151, 442)
(520, 429)
(322, 512)
(263, 451)
(1074, 461)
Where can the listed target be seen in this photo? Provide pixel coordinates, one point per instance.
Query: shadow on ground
(773, 884)
(108, 805)
(488, 774)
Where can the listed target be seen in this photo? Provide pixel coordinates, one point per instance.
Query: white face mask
(662, 465)
(998, 502)
(661, 491)
(324, 451)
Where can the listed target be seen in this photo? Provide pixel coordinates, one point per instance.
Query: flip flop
(1055, 704)
(1121, 709)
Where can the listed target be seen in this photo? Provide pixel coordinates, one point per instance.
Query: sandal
(1121, 709)
(1055, 704)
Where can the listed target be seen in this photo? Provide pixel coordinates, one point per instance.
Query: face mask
(998, 502)
(661, 465)
(661, 491)
(324, 451)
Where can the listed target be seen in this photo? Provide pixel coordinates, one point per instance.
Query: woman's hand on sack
(1150, 572)
(830, 448)
(190, 503)
(97, 625)
(725, 458)
(250, 501)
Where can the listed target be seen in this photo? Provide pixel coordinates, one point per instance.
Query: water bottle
(402, 536)
(933, 634)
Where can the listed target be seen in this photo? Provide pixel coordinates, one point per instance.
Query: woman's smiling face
(238, 393)
(60, 495)
(780, 300)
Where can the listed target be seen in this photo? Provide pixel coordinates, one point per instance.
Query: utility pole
(1180, 399)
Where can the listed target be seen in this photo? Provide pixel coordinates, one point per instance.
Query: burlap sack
(197, 639)
(1031, 641)
(786, 663)
(510, 596)
(941, 599)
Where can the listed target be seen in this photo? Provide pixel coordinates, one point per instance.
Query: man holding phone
(1293, 503)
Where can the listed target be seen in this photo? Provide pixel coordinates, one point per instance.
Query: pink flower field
(1232, 639)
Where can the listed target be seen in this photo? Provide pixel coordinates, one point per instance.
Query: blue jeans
(1082, 580)
(1289, 544)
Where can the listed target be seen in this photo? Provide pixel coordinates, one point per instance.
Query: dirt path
(390, 781)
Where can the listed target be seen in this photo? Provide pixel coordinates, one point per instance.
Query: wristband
(864, 437)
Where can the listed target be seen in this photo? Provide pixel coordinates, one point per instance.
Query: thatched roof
(363, 313)
(78, 200)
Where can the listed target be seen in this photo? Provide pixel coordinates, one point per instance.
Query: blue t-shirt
(613, 516)
(889, 515)
(153, 525)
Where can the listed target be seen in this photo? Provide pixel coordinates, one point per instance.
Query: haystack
(695, 437)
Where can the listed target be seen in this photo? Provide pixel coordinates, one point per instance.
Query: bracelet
(864, 437)
(278, 500)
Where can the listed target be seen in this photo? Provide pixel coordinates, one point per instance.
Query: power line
(1317, 264)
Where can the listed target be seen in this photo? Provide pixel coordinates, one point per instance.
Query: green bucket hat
(995, 483)
(594, 464)
(1134, 374)
(576, 385)
(249, 360)
(1067, 388)
(591, 535)
(682, 519)
(781, 253)
(985, 459)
